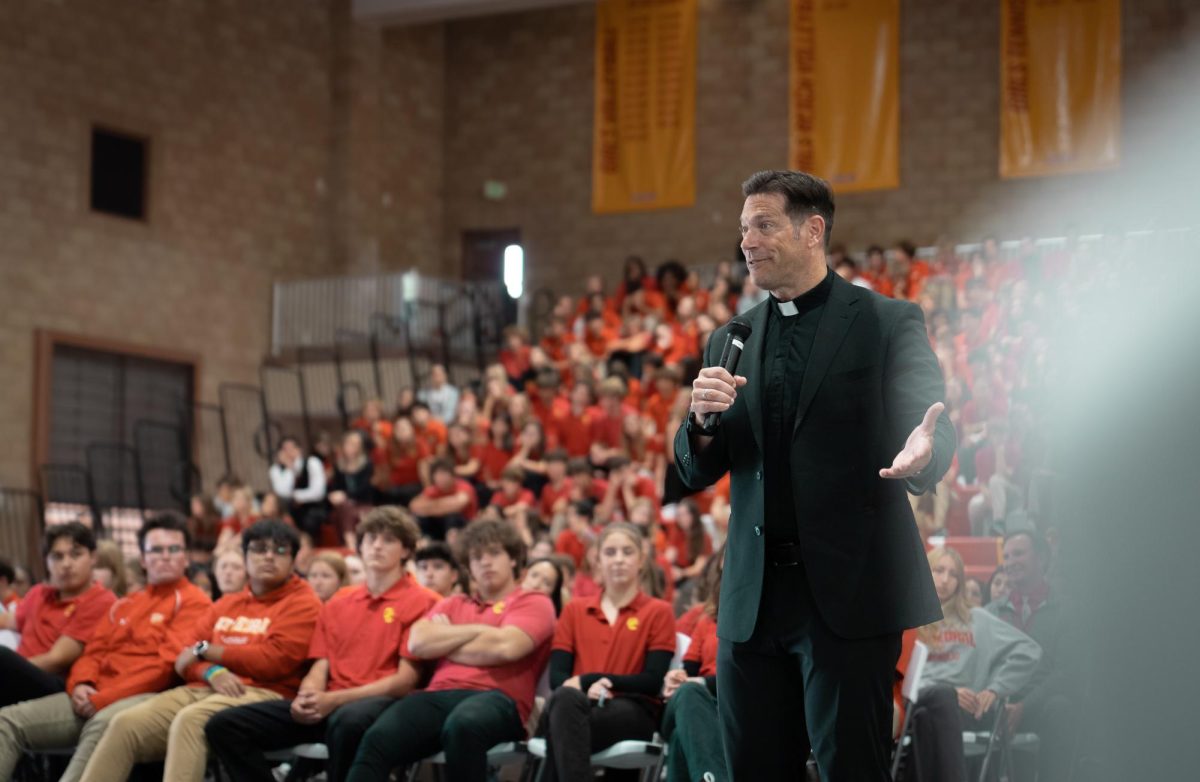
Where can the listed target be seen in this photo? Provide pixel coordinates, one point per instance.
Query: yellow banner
(1060, 82)
(844, 116)
(644, 137)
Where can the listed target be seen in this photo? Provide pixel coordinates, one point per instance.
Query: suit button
(758, 475)
(758, 530)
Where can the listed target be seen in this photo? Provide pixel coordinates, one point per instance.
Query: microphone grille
(739, 327)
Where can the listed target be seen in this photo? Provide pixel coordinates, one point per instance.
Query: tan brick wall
(519, 110)
(236, 99)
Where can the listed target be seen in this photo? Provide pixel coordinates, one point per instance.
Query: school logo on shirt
(389, 615)
(242, 625)
(632, 623)
(155, 619)
(70, 609)
(498, 608)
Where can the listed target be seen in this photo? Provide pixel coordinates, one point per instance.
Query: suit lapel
(750, 366)
(836, 319)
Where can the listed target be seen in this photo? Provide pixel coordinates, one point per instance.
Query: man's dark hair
(79, 534)
(487, 533)
(585, 508)
(168, 520)
(848, 261)
(579, 466)
(803, 193)
(440, 465)
(419, 405)
(558, 455)
(617, 462)
(285, 440)
(874, 250)
(907, 247)
(437, 550)
(1040, 547)
(390, 519)
(272, 531)
(7, 572)
(548, 378)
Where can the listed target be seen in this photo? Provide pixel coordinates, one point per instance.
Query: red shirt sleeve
(661, 635)
(318, 648)
(89, 610)
(534, 614)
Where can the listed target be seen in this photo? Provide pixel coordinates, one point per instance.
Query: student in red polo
(489, 650)
(55, 620)
(512, 497)
(556, 492)
(610, 655)
(360, 663)
(575, 537)
(446, 505)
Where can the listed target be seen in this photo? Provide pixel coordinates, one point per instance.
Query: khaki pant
(51, 723)
(170, 725)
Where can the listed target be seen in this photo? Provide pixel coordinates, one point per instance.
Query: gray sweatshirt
(987, 654)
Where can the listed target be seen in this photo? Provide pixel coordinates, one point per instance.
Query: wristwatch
(695, 428)
(199, 649)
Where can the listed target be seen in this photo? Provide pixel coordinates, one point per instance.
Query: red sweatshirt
(265, 637)
(124, 656)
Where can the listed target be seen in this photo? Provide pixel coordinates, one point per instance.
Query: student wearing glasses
(249, 647)
(121, 666)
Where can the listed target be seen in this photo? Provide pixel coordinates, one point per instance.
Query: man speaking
(833, 414)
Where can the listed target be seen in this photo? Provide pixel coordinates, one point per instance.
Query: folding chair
(909, 690)
(504, 754)
(314, 752)
(648, 756)
(997, 742)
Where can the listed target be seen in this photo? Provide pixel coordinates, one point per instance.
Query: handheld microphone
(735, 342)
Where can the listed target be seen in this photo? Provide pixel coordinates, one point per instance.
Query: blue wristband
(213, 671)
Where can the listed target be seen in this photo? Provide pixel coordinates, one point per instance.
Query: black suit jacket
(870, 377)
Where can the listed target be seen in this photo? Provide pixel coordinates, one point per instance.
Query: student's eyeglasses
(262, 548)
(164, 551)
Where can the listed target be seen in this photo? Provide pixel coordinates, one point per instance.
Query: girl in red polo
(610, 654)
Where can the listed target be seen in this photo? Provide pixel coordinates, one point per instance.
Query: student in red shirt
(488, 651)
(688, 543)
(55, 620)
(446, 505)
(248, 648)
(399, 464)
(360, 663)
(429, 429)
(575, 537)
(555, 494)
(572, 428)
(8, 595)
(609, 658)
(512, 497)
(121, 665)
(691, 725)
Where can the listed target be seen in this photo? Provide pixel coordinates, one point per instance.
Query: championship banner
(844, 104)
(1060, 83)
(644, 135)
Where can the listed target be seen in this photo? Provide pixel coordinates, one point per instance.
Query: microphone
(735, 342)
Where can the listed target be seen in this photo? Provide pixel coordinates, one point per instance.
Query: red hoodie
(265, 637)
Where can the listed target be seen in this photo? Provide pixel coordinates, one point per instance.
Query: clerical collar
(810, 299)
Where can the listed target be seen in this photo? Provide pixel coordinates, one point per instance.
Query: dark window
(118, 173)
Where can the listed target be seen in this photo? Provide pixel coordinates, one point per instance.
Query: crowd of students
(529, 527)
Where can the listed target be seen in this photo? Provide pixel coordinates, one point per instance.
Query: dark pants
(795, 684)
(937, 745)
(575, 727)
(693, 733)
(240, 736)
(464, 724)
(24, 681)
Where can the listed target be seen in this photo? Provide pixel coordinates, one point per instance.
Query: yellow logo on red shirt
(389, 615)
(156, 618)
(632, 623)
(498, 608)
(70, 609)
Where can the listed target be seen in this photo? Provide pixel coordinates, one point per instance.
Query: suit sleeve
(912, 382)
(699, 469)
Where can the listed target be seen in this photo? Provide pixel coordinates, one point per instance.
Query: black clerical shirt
(791, 326)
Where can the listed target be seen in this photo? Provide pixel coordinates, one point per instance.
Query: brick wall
(519, 110)
(236, 99)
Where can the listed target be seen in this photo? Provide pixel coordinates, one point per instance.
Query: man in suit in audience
(835, 411)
